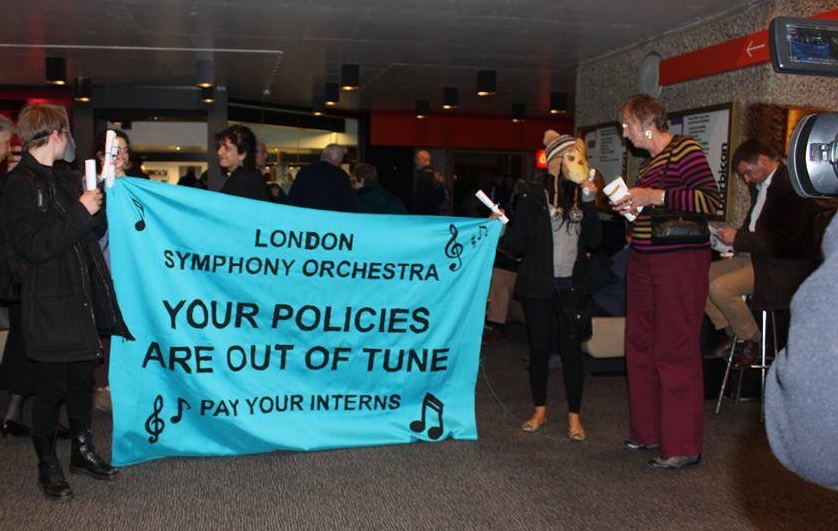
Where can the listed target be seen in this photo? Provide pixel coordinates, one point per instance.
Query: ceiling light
(558, 102)
(83, 89)
(318, 108)
(422, 108)
(207, 94)
(56, 70)
(486, 83)
(519, 113)
(205, 73)
(331, 94)
(450, 97)
(350, 77)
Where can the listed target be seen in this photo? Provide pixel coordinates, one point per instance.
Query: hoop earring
(648, 134)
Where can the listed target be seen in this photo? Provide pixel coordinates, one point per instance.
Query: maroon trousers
(665, 308)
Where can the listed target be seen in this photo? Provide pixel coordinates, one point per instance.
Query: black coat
(530, 236)
(67, 298)
(247, 182)
(783, 247)
(323, 186)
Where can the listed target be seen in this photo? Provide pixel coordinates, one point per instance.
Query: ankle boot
(50, 476)
(83, 458)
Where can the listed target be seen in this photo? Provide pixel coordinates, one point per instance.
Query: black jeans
(541, 316)
(71, 382)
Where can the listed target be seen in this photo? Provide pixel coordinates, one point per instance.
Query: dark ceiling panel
(282, 52)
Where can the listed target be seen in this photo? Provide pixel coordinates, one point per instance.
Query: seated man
(774, 252)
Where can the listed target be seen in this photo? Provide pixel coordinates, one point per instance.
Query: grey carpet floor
(507, 480)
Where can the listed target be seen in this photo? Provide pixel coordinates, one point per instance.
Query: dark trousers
(541, 316)
(666, 296)
(71, 382)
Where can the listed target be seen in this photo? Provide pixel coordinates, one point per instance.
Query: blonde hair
(37, 121)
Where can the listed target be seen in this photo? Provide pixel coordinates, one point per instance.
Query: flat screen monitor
(804, 45)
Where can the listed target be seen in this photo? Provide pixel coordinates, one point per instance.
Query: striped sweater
(689, 184)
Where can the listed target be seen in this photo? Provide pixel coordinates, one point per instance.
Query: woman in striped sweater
(666, 290)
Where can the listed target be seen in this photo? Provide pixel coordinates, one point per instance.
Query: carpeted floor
(507, 480)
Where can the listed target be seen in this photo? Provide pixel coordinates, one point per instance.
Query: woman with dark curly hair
(236, 149)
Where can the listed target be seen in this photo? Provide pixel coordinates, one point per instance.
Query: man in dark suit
(324, 185)
(774, 251)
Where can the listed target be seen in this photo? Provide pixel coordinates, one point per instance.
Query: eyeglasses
(121, 151)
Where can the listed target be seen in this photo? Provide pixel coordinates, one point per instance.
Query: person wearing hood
(554, 229)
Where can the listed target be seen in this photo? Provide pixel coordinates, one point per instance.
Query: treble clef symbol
(453, 249)
(154, 425)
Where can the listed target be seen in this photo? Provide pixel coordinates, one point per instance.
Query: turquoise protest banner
(262, 327)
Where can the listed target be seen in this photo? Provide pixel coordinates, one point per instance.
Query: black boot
(84, 458)
(50, 476)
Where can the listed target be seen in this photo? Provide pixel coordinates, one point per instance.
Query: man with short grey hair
(324, 185)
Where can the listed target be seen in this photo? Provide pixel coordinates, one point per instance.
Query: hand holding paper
(491, 206)
(109, 166)
(89, 174)
(616, 190)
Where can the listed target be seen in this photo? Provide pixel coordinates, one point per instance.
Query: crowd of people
(58, 354)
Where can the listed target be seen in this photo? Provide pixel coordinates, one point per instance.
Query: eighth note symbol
(433, 403)
(482, 232)
(139, 225)
(181, 402)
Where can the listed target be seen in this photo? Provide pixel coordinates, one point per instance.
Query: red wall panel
(462, 131)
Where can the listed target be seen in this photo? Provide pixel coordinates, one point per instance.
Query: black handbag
(671, 227)
(675, 226)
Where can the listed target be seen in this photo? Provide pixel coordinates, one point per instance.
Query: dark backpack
(13, 268)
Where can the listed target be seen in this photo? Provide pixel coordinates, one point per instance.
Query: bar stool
(762, 365)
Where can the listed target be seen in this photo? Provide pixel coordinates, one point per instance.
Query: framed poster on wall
(711, 127)
(606, 149)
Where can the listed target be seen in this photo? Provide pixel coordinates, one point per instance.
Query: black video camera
(809, 46)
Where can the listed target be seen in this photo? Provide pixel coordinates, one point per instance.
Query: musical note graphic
(139, 225)
(181, 402)
(435, 405)
(453, 249)
(154, 425)
(482, 233)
